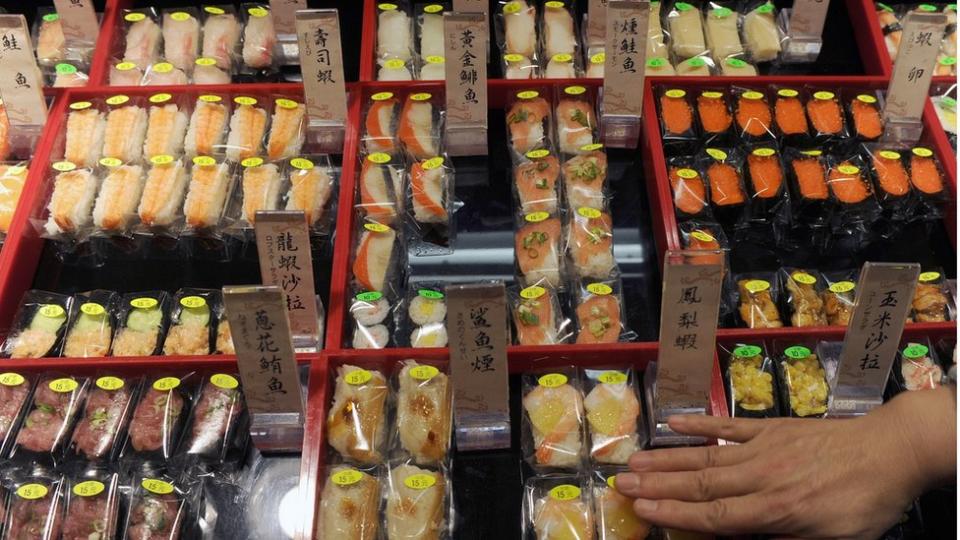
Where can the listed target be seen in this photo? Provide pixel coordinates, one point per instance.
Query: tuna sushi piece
(825, 114)
(217, 410)
(123, 137)
(51, 43)
(381, 132)
(206, 195)
(675, 112)
(119, 194)
(156, 517)
(599, 319)
(753, 114)
(429, 189)
(261, 190)
(72, 201)
(766, 173)
(140, 333)
(591, 243)
(208, 125)
(221, 33)
(575, 124)
(163, 194)
(520, 22)
(725, 186)
(847, 183)
(12, 178)
(352, 511)
(866, 117)
(143, 43)
(35, 519)
(356, 424)
(48, 423)
(535, 320)
(103, 417)
(892, 176)
(393, 35)
(374, 255)
(247, 127)
(286, 130)
(811, 178)
(85, 134)
(310, 189)
(584, 177)
(689, 194)
(713, 113)
(379, 192)
(166, 127)
(91, 333)
(538, 251)
(416, 129)
(924, 172)
(259, 39)
(181, 39)
(527, 122)
(91, 517)
(12, 400)
(156, 420)
(536, 183)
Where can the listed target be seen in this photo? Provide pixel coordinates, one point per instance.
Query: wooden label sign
(477, 330)
(21, 84)
(596, 22)
(284, 14)
(283, 246)
(808, 17)
(689, 311)
(321, 60)
(913, 71)
(475, 6)
(261, 335)
(465, 37)
(78, 20)
(625, 56)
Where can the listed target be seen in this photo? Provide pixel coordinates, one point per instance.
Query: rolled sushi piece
(431, 335)
(261, 190)
(163, 194)
(143, 318)
(85, 134)
(71, 204)
(189, 332)
(248, 124)
(206, 195)
(427, 309)
(120, 192)
(166, 127)
(370, 312)
(286, 130)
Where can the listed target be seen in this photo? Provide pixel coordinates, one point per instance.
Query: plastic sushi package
(753, 115)
(160, 210)
(684, 26)
(373, 319)
(162, 504)
(381, 188)
(927, 179)
(516, 33)
(378, 259)
(208, 126)
(558, 504)
(159, 417)
(809, 194)
(221, 43)
(39, 325)
(395, 70)
(224, 341)
(804, 301)
(424, 413)
(600, 312)
(585, 180)
(44, 434)
(248, 127)
(209, 188)
(839, 295)
(262, 186)
(92, 323)
(426, 310)
(690, 198)
(395, 31)
(529, 125)
(93, 501)
(790, 115)
(576, 119)
(351, 486)
(590, 242)
(553, 426)
(536, 183)
(15, 389)
(930, 302)
(657, 51)
(181, 37)
(63, 63)
(314, 185)
(217, 429)
(767, 185)
(142, 323)
(751, 381)
(115, 210)
(418, 501)
(430, 41)
(889, 22)
(804, 391)
(758, 295)
(701, 65)
(704, 236)
(559, 49)
(37, 500)
(357, 418)
(259, 52)
(864, 114)
(891, 182)
(143, 38)
(723, 169)
(762, 36)
(537, 315)
(715, 117)
(538, 244)
(193, 316)
(678, 125)
(100, 431)
(827, 123)
(919, 367)
(381, 115)
(431, 204)
(614, 512)
(419, 127)
(614, 414)
(855, 203)
(69, 218)
(288, 126)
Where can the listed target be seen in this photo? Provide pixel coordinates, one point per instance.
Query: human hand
(794, 477)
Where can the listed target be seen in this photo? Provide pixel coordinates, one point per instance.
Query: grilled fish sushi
(310, 189)
(166, 127)
(72, 200)
(206, 195)
(372, 263)
(428, 187)
(261, 190)
(527, 121)
(85, 134)
(537, 250)
(423, 415)
(123, 137)
(356, 424)
(414, 514)
(247, 127)
(163, 194)
(208, 125)
(119, 194)
(416, 129)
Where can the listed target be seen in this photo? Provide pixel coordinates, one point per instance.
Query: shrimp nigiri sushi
(166, 126)
(247, 126)
(259, 38)
(181, 39)
(143, 43)
(310, 189)
(599, 319)
(163, 194)
(72, 201)
(221, 33)
(537, 249)
(208, 125)
(520, 22)
(584, 178)
(556, 416)
(381, 131)
(536, 183)
(123, 136)
(372, 263)
(575, 125)
(612, 412)
(535, 320)
(591, 243)
(379, 192)
(527, 123)
(428, 186)
(286, 130)
(117, 203)
(416, 129)
(553, 518)
(85, 133)
(206, 195)
(261, 190)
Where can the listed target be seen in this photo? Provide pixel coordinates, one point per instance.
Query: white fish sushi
(559, 36)
(125, 74)
(163, 194)
(520, 22)
(356, 423)
(208, 125)
(124, 134)
(389, 72)
(164, 74)
(143, 43)
(310, 189)
(261, 190)
(166, 127)
(432, 71)
(259, 39)
(119, 194)
(72, 201)
(286, 130)
(206, 195)
(520, 69)
(414, 514)
(393, 35)
(431, 35)
(560, 69)
(85, 134)
(247, 127)
(181, 39)
(210, 74)
(221, 33)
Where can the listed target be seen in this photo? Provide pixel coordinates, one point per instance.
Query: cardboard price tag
(284, 14)
(808, 17)
(624, 72)
(78, 20)
(465, 37)
(596, 22)
(321, 60)
(913, 71)
(21, 83)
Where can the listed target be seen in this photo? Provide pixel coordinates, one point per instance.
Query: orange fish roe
(848, 187)
(766, 175)
(689, 195)
(753, 116)
(809, 173)
(891, 175)
(699, 241)
(825, 115)
(924, 175)
(866, 119)
(790, 116)
(714, 115)
(676, 114)
(725, 187)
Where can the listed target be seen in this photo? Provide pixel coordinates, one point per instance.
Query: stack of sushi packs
(169, 165)
(564, 230)
(396, 56)
(889, 19)
(389, 458)
(555, 55)
(404, 199)
(193, 46)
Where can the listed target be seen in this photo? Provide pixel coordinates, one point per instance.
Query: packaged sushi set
(889, 18)
(410, 41)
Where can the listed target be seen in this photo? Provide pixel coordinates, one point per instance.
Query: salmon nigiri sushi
(206, 195)
(428, 185)
(123, 136)
(599, 319)
(310, 189)
(85, 130)
(535, 320)
(536, 183)
(575, 125)
(591, 243)
(379, 190)
(537, 249)
(247, 126)
(261, 190)
(379, 124)
(117, 203)
(166, 126)
(286, 130)
(12, 178)
(372, 263)
(584, 177)
(416, 129)
(526, 121)
(163, 194)
(208, 125)
(72, 201)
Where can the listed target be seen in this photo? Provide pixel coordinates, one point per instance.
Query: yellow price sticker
(922, 152)
(756, 285)
(52, 311)
(889, 154)
(675, 93)
(193, 302)
(303, 164)
(538, 154)
(435, 59)
(432, 163)
(214, 10)
(32, 492)
(110, 162)
(92, 308)
(552, 380)
(803, 277)
(376, 227)
(612, 377)
(565, 492)
(285, 103)
(823, 95)
(358, 377)
(421, 96)
(788, 92)
(204, 161)
(712, 95)
(381, 96)
(160, 98)
(423, 373)
(867, 98)
(379, 157)
(11, 379)
(64, 166)
(533, 292)
(117, 100)
(63, 385)
(134, 17)
(420, 481)
(81, 105)
(205, 61)
(252, 162)
(536, 217)
(162, 159)
(848, 169)
(110, 383)
(346, 477)
(159, 487)
(180, 16)
(224, 381)
(513, 57)
(125, 66)
(245, 100)
(562, 58)
(687, 174)
(574, 90)
(703, 236)
(90, 488)
(528, 94)
(927, 277)
(764, 152)
(841, 287)
(258, 12)
(600, 289)
(716, 154)
(144, 303)
(589, 213)
(598, 58)
(165, 384)
(163, 67)
(753, 95)
(210, 98)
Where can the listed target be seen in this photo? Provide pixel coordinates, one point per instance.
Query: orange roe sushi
(825, 114)
(725, 187)
(891, 175)
(766, 175)
(689, 195)
(791, 119)
(676, 114)
(866, 118)
(924, 174)
(810, 177)
(753, 115)
(703, 240)
(713, 113)
(847, 184)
